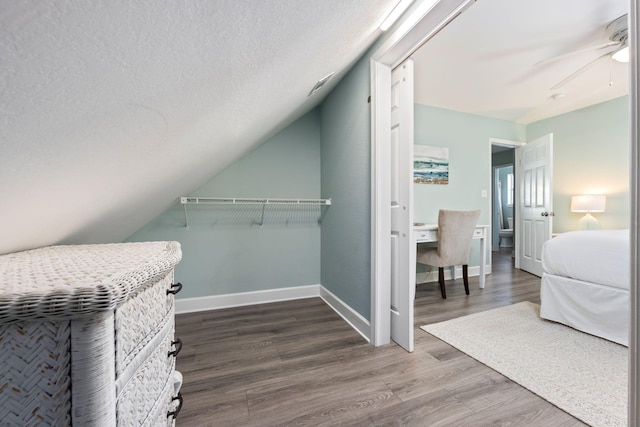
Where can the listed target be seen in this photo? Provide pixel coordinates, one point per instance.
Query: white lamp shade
(622, 55)
(588, 203)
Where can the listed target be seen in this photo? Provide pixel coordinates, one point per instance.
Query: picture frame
(430, 165)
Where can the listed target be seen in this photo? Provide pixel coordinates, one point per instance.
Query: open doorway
(503, 195)
(502, 205)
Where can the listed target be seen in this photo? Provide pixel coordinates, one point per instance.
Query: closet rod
(250, 201)
(291, 204)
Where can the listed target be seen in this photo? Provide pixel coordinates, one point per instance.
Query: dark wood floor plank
(299, 363)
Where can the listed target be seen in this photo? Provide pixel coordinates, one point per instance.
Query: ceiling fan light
(622, 55)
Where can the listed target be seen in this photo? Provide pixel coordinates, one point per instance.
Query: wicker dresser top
(74, 281)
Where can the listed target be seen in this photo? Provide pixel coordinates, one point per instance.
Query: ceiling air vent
(320, 83)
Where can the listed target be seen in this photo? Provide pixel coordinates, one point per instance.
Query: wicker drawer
(145, 389)
(167, 406)
(138, 319)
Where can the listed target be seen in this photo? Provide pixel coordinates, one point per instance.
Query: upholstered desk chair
(455, 231)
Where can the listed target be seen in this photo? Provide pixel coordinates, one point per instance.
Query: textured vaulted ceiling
(111, 110)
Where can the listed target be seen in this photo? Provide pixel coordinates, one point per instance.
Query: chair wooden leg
(441, 280)
(465, 278)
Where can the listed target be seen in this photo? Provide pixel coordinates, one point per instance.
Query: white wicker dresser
(87, 336)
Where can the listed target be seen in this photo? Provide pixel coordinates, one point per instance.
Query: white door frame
(422, 24)
(634, 99)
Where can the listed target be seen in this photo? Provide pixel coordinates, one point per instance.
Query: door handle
(545, 213)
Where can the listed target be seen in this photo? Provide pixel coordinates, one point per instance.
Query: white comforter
(597, 256)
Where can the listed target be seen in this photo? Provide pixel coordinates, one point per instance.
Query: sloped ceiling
(111, 110)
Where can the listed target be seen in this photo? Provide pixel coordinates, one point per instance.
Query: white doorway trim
(634, 101)
(424, 22)
(506, 143)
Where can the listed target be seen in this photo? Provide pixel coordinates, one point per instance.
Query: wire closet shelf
(254, 211)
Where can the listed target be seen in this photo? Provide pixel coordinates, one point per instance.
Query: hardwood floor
(299, 363)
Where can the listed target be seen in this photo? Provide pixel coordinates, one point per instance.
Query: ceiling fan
(618, 49)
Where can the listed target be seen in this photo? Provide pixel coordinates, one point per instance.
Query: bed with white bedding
(585, 282)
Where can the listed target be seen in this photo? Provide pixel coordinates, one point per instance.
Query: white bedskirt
(592, 308)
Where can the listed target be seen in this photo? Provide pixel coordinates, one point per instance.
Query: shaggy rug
(583, 375)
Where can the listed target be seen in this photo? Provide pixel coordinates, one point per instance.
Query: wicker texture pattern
(164, 333)
(93, 398)
(145, 389)
(158, 415)
(72, 281)
(138, 320)
(34, 387)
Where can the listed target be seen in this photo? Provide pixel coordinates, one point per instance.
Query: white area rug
(583, 375)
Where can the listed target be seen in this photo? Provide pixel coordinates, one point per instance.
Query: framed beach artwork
(430, 164)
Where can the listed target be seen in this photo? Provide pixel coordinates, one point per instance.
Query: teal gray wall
(467, 137)
(228, 253)
(590, 156)
(346, 179)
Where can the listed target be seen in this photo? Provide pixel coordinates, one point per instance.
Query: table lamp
(588, 203)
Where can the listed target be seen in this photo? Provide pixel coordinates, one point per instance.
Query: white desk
(425, 233)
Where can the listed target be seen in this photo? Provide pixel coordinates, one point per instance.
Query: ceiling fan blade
(578, 72)
(576, 52)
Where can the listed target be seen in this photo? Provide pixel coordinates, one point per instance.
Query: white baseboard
(216, 302)
(353, 318)
(432, 276)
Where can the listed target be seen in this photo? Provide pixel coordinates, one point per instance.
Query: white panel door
(403, 248)
(535, 170)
